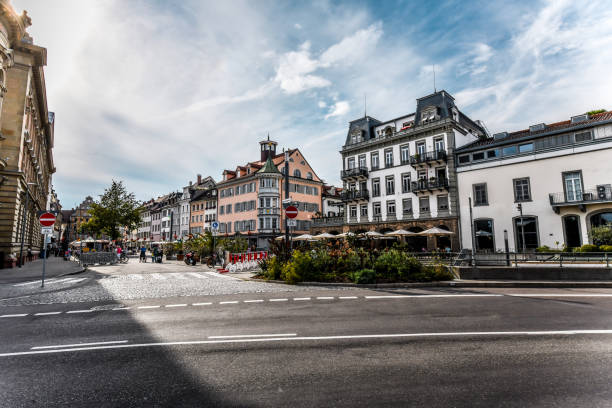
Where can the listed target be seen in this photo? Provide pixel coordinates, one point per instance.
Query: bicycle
(123, 258)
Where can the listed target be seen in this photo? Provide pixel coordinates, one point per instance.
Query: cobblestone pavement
(145, 280)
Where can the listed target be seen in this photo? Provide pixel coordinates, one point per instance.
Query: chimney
(199, 179)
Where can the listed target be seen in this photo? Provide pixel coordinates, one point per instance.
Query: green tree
(116, 208)
(602, 235)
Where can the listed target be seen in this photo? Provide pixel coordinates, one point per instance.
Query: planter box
(180, 257)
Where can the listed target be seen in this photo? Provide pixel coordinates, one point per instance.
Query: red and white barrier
(245, 261)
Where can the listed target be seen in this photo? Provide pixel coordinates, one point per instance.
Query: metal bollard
(607, 261)
(560, 260)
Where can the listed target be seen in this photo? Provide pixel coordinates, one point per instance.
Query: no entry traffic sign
(291, 212)
(47, 219)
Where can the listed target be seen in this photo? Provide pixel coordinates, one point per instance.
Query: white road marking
(76, 280)
(158, 276)
(28, 283)
(202, 304)
(46, 313)
(253, 301)
(431, 296)
(302, 298)
(80, 311)
(177, 275)
(325, 297)
(79, 344)
(561, 294)
(121, 308)
(278, 300)
(198, 275)
(240, 336)
(14, 315)
(229, 302)
(177, 305)
(149, 307)
(348, 297)
(313, 338)
(48, 282)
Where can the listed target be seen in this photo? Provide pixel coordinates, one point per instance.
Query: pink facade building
(250, 197)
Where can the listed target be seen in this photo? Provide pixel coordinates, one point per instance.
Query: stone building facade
(26, 136)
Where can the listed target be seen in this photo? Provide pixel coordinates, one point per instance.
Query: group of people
(156, 254)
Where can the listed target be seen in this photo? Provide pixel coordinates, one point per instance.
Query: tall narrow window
(521, 190)
(362, 161)
(374, 159)
(405, 182)
(424, 204)
(375, 187)
(388, 157)
(407, 206)
(390, 184)
(405, 154)
(527, 227)
(351, 163)
(421, 148)
(439, 144)
(573, 186)
(480, 194)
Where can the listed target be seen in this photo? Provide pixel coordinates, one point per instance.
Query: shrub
(274, 268)
(364, 276)
(543, 248)
(601, 235)
(390, 264)
(289, 274)
(605, 248)
(411, 266)
(302, 264)
(350, 262)
(589, 248)
(322, 264)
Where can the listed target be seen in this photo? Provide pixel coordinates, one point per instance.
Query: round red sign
(291, 212)
(47, 219)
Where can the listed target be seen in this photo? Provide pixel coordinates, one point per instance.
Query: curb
(452, 284)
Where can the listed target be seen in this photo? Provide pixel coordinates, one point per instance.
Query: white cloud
(340, 108)
(296, 68)
(322, 104)
(298, 26)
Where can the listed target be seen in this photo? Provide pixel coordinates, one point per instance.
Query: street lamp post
(23, 222)
(520, 208)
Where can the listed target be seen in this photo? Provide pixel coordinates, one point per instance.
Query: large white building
(560, 174)
(401, 173)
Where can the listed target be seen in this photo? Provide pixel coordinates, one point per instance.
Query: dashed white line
(46, 313)
(302, 298)
(325, 297)
(229, 302)
(348, 297)
(80, 311)
(560, 294)
(202, 304)
(149, 307)
(253, 301)
(429, 296)
(14, 315)
(121, 308)
(242, 336)
(97, 343)
(177, 305)
(279, 300)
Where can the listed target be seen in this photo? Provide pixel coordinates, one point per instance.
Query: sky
(154, 92)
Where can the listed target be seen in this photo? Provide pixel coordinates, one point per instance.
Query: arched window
(297, 173)
(309, 176)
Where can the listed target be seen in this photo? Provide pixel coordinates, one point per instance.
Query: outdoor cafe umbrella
(324, 235)
(373, 234)
(399, 233)
(435, 231)
(303, 237)
(279, 238)
(345, 234)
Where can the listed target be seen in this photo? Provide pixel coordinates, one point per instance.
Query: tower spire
(434, 76)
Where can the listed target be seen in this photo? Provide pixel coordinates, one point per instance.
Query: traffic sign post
(291, 212)
(292, 223)
(46, 220)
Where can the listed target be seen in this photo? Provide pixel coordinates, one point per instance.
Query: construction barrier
(245, 261)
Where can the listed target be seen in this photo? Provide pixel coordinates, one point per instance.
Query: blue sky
(154, 92)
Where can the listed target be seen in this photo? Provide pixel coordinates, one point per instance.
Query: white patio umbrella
(324, 235)
(399, 233)
(373, 234)
(279, 238)
(303, 237)
(436, 231)
(345, 234)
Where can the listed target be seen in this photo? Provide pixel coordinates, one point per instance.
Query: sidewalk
(56, 266)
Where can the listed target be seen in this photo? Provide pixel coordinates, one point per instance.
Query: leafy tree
(116, 208)
(596, 111)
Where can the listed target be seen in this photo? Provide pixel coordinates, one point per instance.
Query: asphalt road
(295, 346)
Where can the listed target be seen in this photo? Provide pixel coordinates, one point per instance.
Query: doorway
(571, 228)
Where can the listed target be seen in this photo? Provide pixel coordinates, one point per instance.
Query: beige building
(26, 136)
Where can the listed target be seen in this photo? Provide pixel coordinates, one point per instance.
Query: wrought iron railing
(593, 195)
(433, 183)
(328, 221)
(351, 195)
(437, 155)
(356, 172)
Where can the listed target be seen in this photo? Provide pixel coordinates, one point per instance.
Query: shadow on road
(148, 376)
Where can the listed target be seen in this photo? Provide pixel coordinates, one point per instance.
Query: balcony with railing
(431, 185)
(354, 195)
(268, 211)
(601, 194)
(355, 173)
(428, 158)
(333, 221)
